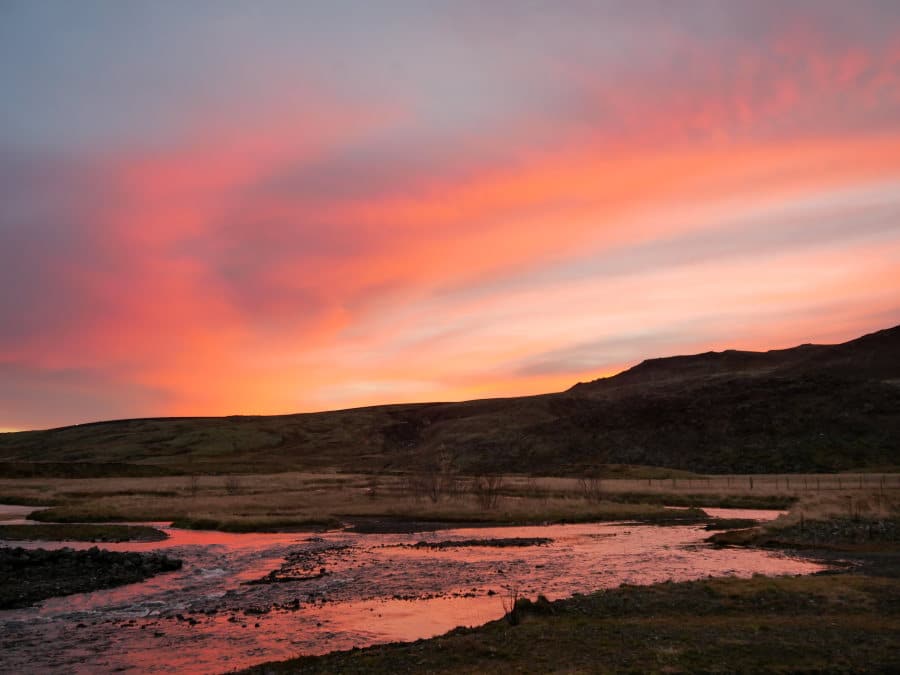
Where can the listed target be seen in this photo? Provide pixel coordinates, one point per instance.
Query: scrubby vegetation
(312, 501)
(286, 502)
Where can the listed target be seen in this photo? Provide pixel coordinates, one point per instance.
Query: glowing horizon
(212, 211)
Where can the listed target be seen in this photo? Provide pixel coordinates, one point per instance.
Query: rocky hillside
(809, 408)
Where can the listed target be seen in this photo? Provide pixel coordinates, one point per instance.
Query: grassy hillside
(810, 408)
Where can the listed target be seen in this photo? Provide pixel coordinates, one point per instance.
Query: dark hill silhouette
(876, 356)
(809, 408)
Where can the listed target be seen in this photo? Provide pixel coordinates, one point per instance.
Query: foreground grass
(822, 623)
(835, 622)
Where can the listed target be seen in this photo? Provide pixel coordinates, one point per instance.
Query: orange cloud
(285, 266)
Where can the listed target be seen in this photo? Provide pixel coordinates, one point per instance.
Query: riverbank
(95, 533)
(847, 622)
(846, 619)
(241, 599)
(316, 502)
(30, 575)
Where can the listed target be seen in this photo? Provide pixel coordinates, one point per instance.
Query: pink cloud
(288, 262)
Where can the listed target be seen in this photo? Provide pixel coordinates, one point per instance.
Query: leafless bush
(422, 485)
(409, 487)
(232, 485)
(487, 491)
(373, 485)
(510, 600)
(433, 486)
(436, 479)
(193, 484)
(452, 486)
(426, 484)
(591, 488)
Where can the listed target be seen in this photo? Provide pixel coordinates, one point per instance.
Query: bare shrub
(591, 488)
(409, 487)
(425, 484)
(510, 601)
(432, 480)
(442, 477)
(436, 479)
(232, 485)
(452, 486)
(487, 491)
(193, 484)
(373, 485)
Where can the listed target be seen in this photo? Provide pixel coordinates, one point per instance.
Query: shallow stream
(340, 590)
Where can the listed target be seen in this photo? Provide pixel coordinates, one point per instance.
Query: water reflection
(367, 589)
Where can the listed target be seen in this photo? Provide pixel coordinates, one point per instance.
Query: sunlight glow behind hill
(370, 202)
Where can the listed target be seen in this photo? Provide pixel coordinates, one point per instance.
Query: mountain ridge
(804, 408)
(777, 359)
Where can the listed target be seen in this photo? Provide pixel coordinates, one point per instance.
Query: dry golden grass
(862, 505)
(278, 500)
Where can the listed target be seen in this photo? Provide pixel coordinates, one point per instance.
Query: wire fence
(760, 483)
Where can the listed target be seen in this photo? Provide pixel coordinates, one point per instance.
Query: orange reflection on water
(375, 589)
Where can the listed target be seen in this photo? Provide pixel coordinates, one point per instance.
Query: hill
(809, 408)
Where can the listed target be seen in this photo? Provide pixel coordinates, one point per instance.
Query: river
(349, 590)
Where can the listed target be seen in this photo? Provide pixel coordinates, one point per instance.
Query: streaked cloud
(313, 207)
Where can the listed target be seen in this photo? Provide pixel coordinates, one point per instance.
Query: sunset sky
(210, 208)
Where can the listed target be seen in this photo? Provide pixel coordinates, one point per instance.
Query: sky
(212, 208)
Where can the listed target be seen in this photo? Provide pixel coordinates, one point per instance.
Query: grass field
(320, 500)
